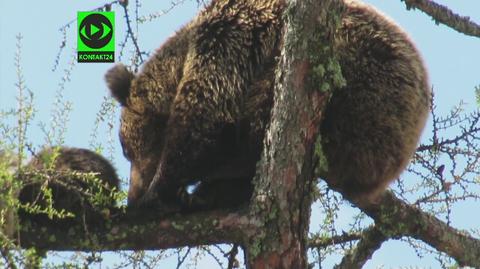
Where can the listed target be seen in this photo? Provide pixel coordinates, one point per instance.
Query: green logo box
(96, 37)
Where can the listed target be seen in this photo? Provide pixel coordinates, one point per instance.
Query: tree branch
(232, 257)
(395, 217)
(141, 232)
(370, 241)
(131, 33)
(442, 14)
(392, 216)
(323, 242)
(467, 131)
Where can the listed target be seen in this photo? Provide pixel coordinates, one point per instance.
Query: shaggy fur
(372, 126)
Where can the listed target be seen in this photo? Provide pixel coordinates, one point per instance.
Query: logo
(96, 37)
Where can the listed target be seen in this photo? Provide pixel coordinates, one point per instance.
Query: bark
(141, 231)
(284, 176)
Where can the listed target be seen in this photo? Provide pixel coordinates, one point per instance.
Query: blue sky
(453, 61)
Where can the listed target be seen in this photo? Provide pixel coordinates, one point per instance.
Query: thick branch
(141, 232)
(395, 217)
(442, 14)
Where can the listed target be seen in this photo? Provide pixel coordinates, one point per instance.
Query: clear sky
(453, 61)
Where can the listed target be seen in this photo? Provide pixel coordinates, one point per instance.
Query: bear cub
(62, 170)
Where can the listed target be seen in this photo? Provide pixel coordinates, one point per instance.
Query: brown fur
(67, 189)
(216, 75)
(372, 126)
(189, 95)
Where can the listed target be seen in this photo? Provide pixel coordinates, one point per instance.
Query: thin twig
(232, 257)
(181, 259)
(131, 34)
(7, 256)
(323, 242)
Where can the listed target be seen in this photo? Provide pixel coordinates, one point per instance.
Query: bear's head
(141, 128)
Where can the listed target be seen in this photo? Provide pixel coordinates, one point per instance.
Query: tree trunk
(284, 180)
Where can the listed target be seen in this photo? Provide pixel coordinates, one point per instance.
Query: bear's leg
(190, 145)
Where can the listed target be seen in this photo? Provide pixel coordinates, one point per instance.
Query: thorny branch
(130, 33)
(447, 167)
(470, 131)
(162, 12)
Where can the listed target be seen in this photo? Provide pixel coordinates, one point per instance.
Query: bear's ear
(119, 80)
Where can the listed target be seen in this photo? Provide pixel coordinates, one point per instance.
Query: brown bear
(62, 170)
(202, 102)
